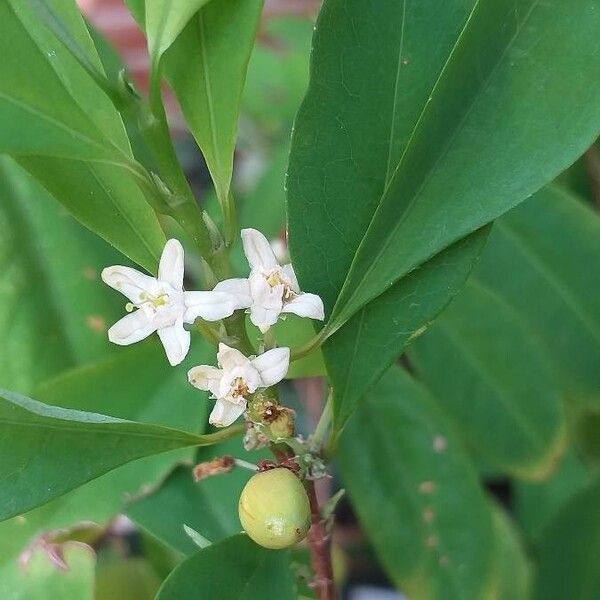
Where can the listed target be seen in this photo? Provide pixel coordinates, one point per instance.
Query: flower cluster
(160, 304)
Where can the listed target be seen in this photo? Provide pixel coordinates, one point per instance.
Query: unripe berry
(274, 509)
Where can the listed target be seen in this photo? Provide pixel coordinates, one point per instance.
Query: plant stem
(320, 550)
(322, 428)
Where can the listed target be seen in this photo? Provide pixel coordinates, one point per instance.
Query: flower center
(239, 388)
(154, 302)
(274, 279)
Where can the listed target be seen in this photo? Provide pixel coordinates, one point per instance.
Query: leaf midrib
(476, 98)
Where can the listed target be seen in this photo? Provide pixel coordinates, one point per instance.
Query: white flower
(271, 289)
(236, 378)
(162, 304)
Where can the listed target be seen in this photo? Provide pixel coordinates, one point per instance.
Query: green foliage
(417, 494)
(542, 260)
(489, 372)
(420, 128)
(376, 146)
(54, 313)
(41, 579)
(258, 573)
(51, 450)
(63, 129)
(569, 550)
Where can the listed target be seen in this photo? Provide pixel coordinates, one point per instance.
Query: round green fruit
(274, 509)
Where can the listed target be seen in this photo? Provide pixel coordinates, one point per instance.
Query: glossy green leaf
(48, 450)
(53, 107)
(447, 118)
(206, 68)
(54, 309)
(542, 259)
(570, 550)
(234, 569)
(489, 372)
(165, 20)
(53, 110)
(536, 503)
(417, 493)
(360, 352)
(512, 574)
(43, 579)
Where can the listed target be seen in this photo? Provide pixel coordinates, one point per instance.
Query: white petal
(306, 305)
(211, 306)
(257, 249)
(266, 302)
(225, 413)
(272, 365)
(131, 328)
(240, 288)
(170, 269)
(176, 341)
(205, 378)
(230, 358)
(288, 271)
(129, 282)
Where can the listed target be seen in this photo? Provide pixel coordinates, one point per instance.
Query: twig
(320, 551)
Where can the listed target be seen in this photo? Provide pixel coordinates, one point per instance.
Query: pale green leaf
(417, 494)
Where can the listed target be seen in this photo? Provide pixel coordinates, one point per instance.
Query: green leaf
(125, 578)
(54, 309)
(489, 372)
(206, 68)
(404, 467)
(42, 579)
(164, 21)
(234, 569)
(512, 577)
(569, 550)
(53, 107)
(536, 503)
(50, 450)
(209, 506)
(360, 352)
(55, 112)
(542, 260)
(414, 146)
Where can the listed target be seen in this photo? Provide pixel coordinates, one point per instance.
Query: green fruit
(274, 509)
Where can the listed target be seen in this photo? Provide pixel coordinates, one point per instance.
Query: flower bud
(274, 509)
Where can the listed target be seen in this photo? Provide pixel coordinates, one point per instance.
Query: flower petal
(131, 329)
(211, 306)
(257, 249)
(288, 271)
(238, 287)
(266, 302)
(205, 378)
(230, 358)
(306, 305)
(225, 413)
(272, 365)
(170, 269)
(129, 282)
(176, 341)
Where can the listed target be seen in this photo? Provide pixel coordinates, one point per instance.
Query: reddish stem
(320, 550)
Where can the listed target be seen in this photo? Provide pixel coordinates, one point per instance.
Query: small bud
(274, 509)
